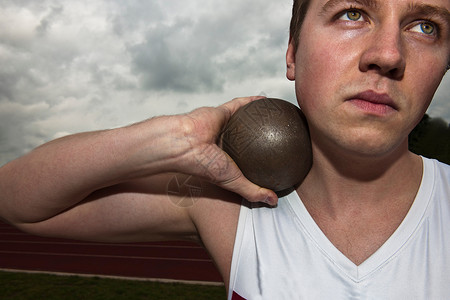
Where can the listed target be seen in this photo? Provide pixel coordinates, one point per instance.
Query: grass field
(21, 286)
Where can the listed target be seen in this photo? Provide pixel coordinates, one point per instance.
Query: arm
(83, 176)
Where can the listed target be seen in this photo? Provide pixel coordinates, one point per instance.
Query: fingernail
(270, 201)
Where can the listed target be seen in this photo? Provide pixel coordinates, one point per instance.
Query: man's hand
(204, 158)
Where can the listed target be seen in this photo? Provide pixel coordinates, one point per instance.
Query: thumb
(250, 191)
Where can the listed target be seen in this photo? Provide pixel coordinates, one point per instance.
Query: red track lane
(168, 260)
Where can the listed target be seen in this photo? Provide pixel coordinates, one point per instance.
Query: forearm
(61, 173)
(57, 176)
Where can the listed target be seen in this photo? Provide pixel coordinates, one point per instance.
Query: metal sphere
(269, 141)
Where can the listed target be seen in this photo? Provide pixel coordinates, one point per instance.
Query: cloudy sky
(71, 66)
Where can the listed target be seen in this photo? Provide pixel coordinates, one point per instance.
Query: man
(368, 221)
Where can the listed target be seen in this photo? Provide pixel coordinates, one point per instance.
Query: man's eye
(351, 15)
(425, 27)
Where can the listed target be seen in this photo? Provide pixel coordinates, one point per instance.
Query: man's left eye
(425, 27)
(351, 15)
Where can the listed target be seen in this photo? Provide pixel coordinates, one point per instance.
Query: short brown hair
(299, 10)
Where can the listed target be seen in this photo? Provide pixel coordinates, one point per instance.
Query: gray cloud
(163, 63)
(47, 21)
(18, 121)
(130, 16)
(203, 53)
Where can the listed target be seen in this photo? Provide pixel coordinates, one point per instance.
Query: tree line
(431, 138)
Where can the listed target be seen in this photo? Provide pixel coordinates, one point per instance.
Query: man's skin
(365, 73)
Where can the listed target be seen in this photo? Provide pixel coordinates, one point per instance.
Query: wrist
(155, 146)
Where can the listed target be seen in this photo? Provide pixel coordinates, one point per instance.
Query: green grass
(21, 286)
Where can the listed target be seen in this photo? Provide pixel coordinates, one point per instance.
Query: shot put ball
(269, 141)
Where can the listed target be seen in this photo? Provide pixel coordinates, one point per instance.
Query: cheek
(428, 82)
(317, 75)
(423, 79)
(425, 68)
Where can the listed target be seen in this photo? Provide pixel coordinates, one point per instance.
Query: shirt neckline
(389, 249)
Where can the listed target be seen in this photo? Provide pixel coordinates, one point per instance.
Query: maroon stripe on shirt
(236, 296)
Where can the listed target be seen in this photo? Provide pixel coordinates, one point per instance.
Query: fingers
(228, 176)
(250, 191)
(215, 165)
(240, 184)
(232, 106)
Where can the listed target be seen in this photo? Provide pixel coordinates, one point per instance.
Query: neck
(337, 181)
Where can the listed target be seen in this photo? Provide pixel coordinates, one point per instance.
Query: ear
(290, 60)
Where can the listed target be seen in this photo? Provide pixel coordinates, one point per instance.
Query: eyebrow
(430, 10)
(333, 3)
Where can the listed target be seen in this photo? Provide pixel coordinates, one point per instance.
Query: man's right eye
(351, 15)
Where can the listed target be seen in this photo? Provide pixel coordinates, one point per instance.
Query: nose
(384, 53)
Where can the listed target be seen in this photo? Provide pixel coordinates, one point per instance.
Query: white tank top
(281, 253)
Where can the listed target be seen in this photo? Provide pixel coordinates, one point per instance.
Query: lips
(373, 102)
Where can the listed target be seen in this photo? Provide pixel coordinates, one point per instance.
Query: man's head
(298, 15)
(366, 70)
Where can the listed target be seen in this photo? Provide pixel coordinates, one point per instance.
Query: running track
(168, 260)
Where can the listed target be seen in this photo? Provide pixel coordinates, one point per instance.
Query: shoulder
(436, 179)
(445, 168)
(441, 170)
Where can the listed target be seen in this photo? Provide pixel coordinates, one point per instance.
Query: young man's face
(366, 70)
